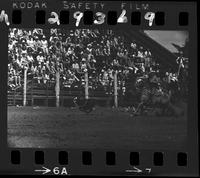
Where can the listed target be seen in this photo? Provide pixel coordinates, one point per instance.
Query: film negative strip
(98, 88)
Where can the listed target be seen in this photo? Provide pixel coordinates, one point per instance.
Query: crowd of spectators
(72, 53)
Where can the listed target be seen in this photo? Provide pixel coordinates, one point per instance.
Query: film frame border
(75, 166)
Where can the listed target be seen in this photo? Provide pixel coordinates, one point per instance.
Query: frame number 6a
(55, 170)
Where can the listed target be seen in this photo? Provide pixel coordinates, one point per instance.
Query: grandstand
(49, 68)
(38, 55)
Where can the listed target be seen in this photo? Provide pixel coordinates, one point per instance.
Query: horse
(157, 97)
(163, 101)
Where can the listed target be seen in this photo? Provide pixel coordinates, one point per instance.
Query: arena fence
(31, 94)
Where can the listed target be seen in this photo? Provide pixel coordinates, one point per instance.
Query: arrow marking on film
(135, 169)
(44, 170)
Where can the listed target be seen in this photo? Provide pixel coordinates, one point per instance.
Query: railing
(45, 94)
(32, 92)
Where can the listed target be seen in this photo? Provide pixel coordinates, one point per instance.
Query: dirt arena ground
(52, 127)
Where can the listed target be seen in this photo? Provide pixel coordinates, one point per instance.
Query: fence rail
(30, 93)
(15, 97)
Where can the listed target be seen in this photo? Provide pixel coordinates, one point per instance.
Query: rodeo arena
(89, 88)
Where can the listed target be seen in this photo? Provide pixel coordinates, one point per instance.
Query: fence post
(57, 88)
(115, 90)
(14, 99)
(25, 86)
(47, 93)
(86, 86)
(32, 99)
